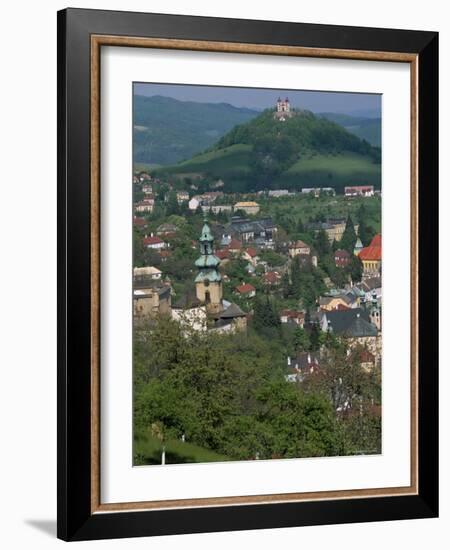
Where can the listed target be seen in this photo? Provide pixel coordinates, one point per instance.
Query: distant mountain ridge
(368, 128)
(167, 130)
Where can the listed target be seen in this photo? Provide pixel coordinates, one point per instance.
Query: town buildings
(299, 247)
(260, 232)
(359, 191)
(151, 298)
(341, 258)
(370, 257)
(154, 242)
(249, 207)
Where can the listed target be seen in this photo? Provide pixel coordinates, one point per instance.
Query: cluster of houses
(207, 201)
(204, 309)
(353, 312)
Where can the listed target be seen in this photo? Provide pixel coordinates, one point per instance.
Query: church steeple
(208, 281)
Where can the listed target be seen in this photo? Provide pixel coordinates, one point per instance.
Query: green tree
(349, 236)
(322, 243)
(265, 314)
(315, 337)
(355, 269)
(301, 339)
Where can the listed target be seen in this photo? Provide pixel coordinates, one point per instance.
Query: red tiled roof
(373, 251)
(251, 252)
(342, 254)
(245, 288)
(235, 245)
(271, 277)
(139, 221)
(376, 241)
(152, 240)
(222, 254)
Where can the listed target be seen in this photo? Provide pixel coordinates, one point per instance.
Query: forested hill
(303, 151)
(167, 131)
(286, 140)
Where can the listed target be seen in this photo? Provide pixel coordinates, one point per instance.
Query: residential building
(271, 278)
(246, 289)
(182, 196)
(151, 298)
(234, 246)
(334, 228)
(251, 255)
(292, 316)
(140, 223)
(217, 208)
(302, 365)
(275, 193)
(341, 258)
(193, 204)
(223, 255)
(166, 230)
(371, 290)
(359, 191)
(354, 325)
(146, 205)
(299, 247)
(335, 302)
(249, 207)
(261, 232)
(150, 272)
(154, 242)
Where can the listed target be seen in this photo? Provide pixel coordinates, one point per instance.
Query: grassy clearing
(234, 159)
(344, 164)
(335, 171)
(147, 450)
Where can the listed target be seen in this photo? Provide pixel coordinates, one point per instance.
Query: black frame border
(75, 521)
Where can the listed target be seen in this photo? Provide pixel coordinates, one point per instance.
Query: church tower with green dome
(208, 282)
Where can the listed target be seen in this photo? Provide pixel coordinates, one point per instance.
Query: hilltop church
(283, 110)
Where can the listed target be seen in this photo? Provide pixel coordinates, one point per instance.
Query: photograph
(256, 273)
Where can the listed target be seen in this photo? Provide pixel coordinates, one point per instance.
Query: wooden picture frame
(81, 35)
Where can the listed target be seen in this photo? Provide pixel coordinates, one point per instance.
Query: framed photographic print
(247, 274)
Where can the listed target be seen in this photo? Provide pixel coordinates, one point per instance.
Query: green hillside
(167, 130)
(303, 151)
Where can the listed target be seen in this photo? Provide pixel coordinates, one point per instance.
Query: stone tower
(208, 282)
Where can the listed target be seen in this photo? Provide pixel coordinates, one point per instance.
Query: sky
(261, 98)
